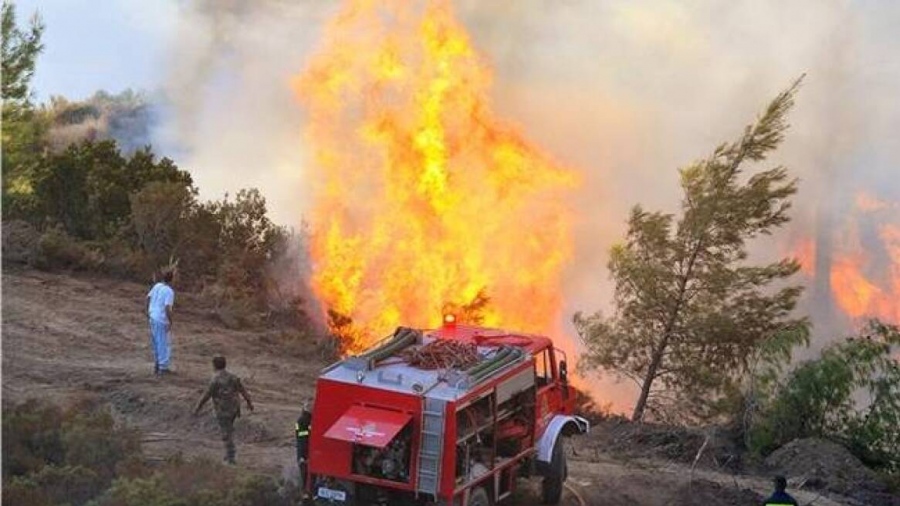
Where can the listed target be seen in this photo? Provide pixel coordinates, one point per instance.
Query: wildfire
(425, 199)
(865, 275)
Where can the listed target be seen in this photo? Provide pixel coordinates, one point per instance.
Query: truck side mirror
(563, 372)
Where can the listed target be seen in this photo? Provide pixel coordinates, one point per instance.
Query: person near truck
(160, 300)
(779, 497)
(224, 390)
(301, 433)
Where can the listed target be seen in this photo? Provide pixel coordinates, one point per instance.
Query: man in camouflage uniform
(223, 390)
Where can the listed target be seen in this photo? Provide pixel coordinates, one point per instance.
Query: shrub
(20, 241)
(86, 188)
(61, 456)
(159, 212)
(140, 492)
(73, 485)
(819, 399)
(56, 249)
(24, 491)
(198, 482)
(32, 438)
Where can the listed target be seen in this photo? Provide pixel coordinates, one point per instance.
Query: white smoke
(233, 117)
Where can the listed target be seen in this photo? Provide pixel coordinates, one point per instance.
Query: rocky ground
(67, 337)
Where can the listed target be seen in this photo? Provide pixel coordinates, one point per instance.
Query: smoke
(232, 118)
(626, 91)
(128, 118)
(629, 91)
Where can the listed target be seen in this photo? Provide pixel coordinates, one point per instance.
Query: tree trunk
(656, 358)
(641, 404)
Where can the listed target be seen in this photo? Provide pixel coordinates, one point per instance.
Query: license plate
(329, 493)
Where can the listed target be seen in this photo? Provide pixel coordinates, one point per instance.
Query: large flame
(425, 198)
(864, 274)
(861, 287)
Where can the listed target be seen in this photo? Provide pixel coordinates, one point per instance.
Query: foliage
(19, 53)
(80, 456)
(160, 213)
(87, 187)
(58, 250)
(689, 307)
(54, 456)
(22, 129)
(197, 483)
(851, 393)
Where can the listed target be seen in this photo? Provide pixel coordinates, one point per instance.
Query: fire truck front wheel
(479, 497)
(552, 486)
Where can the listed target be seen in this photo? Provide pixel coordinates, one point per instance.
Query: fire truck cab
(389, 430)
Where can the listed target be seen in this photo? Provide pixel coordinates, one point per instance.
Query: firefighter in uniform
(223, 390)
(780, 497)
(301, 432)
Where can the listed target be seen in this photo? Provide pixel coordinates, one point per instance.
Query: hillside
(69, 337)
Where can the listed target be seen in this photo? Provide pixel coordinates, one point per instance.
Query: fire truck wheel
(479, 497)
(552, 486)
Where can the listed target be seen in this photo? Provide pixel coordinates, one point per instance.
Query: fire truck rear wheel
(552, 486)
(479, 497)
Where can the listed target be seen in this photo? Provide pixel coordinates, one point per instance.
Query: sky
(79, 59)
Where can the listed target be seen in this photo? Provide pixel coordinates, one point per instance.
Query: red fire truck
(390, 429)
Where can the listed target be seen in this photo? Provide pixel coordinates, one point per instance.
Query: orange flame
(425, 198)
(865, 278)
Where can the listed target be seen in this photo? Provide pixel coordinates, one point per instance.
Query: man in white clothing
(160, 300)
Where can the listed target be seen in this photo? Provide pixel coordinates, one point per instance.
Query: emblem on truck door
(366, 431)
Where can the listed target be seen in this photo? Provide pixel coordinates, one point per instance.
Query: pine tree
(689, 308)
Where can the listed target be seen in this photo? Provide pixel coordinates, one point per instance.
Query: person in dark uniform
(301, 431)
(224, 390)
(780, 497)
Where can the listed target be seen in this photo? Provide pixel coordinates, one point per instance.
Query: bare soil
(66, 337)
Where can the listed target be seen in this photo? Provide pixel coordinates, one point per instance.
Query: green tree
(20, 51)
(690, 309)
(22, 127)
(87, 187)
(247, 242)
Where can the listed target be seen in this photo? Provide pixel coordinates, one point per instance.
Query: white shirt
(160, 296)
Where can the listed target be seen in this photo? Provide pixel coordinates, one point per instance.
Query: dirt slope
(64, 337)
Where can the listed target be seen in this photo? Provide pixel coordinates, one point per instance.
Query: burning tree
(690, 309)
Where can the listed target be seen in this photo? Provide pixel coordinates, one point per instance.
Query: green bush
(87, 187)
(58, 250)
(140, 492)
(32, 438)
(820, 398)
(61, 456)
(198, 482)
(73, 485)
(24, 491)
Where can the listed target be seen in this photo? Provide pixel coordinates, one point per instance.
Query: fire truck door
(547, 386)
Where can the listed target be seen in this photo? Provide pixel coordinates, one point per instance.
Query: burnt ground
(68, 337)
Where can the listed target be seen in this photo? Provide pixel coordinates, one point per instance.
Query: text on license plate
(334, 495)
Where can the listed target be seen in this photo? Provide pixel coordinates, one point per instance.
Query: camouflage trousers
(226, 427)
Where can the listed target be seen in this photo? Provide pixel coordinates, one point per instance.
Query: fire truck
(451, 416)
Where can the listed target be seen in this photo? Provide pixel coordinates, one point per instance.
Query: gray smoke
(232, 115)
